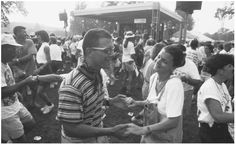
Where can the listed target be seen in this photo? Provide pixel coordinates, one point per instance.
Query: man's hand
(119, 101)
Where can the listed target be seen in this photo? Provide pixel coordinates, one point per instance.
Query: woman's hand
(135, 130)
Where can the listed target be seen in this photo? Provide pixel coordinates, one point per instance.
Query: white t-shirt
(188, 70)
(127, 52)
(9, 105)
(41, 56)
(55, 52)
(172, 97)
(213, 90)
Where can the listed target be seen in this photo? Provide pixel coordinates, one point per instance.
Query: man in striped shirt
(81, 94)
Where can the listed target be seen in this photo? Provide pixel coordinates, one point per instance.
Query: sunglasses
(109, 51)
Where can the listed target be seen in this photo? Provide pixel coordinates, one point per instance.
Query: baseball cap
(8, 39)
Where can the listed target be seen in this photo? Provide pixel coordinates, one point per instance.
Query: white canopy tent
(192, 35)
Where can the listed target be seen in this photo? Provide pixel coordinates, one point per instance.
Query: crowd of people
(172, 77)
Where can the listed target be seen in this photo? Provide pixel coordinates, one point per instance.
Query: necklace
(224, 96)
(160, 87)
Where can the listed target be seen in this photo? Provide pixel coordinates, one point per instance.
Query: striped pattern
(79, 100)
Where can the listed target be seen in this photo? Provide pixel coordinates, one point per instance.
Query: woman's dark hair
(177, 54)
(92, 37)
(156, 49)
(194, 44)
(218, 61)
(43, 34)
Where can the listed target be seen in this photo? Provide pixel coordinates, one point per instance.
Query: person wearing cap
(15, 117)
(128, 63)
(81, 94)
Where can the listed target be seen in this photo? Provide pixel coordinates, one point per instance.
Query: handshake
(124, 130)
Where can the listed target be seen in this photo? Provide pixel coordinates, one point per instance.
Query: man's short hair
(91, 38)
(18, 29)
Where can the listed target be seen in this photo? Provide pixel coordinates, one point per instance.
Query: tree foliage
(225, 12)
(8, 7)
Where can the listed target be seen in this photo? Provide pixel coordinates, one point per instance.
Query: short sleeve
(209, 92)
(70, 107)
(175, 97)
(194, 74)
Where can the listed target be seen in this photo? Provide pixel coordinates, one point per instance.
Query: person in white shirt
(191, 79)
(128, 64)
(43, 58)
(214, 101)
(14, 116)
(55, 54)
(192, 53)
(164, 104)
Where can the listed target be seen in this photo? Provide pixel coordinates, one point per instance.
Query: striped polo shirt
(80, 102)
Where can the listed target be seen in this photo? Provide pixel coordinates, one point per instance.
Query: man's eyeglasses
(108, 51)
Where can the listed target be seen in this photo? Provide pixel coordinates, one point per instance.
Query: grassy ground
(49, 128)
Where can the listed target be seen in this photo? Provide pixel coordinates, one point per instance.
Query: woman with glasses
(214, 101)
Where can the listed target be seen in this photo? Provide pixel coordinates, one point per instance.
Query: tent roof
(127, 13)
(192, 35)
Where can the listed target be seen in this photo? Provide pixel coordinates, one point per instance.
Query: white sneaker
(42, 109)
(48, 109)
